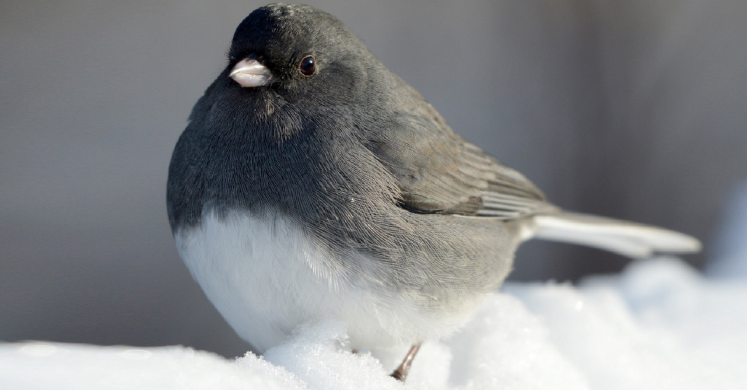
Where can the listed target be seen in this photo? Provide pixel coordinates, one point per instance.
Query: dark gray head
(280, 36)
(295, 54)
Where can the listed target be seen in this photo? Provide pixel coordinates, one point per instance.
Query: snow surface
(658, 325)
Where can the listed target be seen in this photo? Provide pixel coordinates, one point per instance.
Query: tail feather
(622, 237)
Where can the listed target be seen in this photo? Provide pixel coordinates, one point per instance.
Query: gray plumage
(366, 169)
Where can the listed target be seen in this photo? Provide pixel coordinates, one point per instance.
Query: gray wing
(439, 172)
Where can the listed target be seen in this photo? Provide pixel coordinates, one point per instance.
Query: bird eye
(307, 66)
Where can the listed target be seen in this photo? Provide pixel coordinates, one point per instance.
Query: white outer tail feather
(622, 237)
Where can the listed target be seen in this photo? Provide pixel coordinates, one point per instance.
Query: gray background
(634, 109)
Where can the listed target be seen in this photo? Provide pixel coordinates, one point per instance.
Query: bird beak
(249, 73)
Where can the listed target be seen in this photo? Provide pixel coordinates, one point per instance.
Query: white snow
(658, 325)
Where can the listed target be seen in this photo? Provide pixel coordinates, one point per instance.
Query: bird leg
(401, 372)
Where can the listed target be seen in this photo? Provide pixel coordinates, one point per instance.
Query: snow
(658, 325)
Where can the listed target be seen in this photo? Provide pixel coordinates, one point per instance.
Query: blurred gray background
(635, 109)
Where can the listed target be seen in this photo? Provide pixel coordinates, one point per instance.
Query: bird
(312, 183)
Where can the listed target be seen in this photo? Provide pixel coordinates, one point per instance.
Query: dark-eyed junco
(313, 183)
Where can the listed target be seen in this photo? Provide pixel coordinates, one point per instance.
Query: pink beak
(249, 73)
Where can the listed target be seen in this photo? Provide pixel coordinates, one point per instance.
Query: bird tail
(622, 237)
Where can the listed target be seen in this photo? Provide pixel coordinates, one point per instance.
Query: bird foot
(401, 372)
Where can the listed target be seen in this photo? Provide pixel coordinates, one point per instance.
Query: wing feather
(439, 172)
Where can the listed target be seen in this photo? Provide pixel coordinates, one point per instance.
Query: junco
(313, 183)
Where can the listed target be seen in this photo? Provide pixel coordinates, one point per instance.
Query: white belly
(266, 277)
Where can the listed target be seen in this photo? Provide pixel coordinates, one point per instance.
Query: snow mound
(658, 325)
